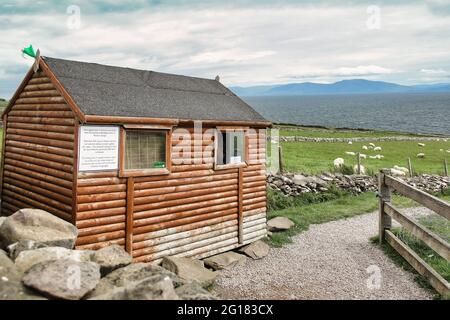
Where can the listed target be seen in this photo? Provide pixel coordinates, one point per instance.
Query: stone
(16, 248)
(256, 250)
(194, 291)
(300, 180)
(279, 224)
(189, 270)
(147, 289)
(224, 260)
(63, 279)
(26, 259)
(133, 273)
(39, 226)
(111, 258)
(11, 287)
(2, 219)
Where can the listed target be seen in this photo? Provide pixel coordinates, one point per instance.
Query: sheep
(448, 151)
(378, 156)
(421, 155)
(441, 150)
(396, 172)
(421, 144)
(377, 149)
(350, 153)
(355, 169)
(338, 162)
(362, 156)
(372, 144)
(365, 147)
(350, 142)
(405, 170)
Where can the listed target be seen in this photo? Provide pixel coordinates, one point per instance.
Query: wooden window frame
(244, 163)
(145, 172)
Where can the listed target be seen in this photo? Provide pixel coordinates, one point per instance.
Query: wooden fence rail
(387, 211)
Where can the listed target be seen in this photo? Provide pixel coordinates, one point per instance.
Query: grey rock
(11, 287)
(63, 279)
(256, 250)
(147, 289)
(23, 245)
(39, 226)
(300, 180)
(194, 291)
(189, 270)
(279, 224)
(26, 259)
(111, 258)
(133, 273)
(224, 260)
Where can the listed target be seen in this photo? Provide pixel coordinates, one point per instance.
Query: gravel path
(329, 261)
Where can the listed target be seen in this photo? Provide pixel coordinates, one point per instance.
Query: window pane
(145, 149)
(230, 147)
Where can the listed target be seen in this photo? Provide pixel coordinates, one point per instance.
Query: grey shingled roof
(114, 91)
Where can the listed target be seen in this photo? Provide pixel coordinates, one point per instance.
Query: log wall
(193, 211)
(38, 160)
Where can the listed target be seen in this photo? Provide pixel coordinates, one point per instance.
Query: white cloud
(433, 71)
(244, 45)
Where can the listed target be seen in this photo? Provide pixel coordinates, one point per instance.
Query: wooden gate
(387, 212)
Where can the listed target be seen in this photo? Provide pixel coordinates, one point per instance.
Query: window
(145, 152)
(230, 147)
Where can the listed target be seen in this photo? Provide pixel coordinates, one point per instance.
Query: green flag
(29, 51)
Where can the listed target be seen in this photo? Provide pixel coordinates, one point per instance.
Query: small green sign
(159, 164)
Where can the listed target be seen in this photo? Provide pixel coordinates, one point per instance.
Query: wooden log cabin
(160, 164)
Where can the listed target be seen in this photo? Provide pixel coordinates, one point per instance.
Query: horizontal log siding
(191, 212)
(254, 187)
(101, 210)
(38, 155)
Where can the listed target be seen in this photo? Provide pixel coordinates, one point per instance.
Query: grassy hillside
(3, 104)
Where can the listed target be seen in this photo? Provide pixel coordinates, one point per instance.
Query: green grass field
(317, 157)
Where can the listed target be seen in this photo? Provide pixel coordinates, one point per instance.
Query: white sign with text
(98, 148)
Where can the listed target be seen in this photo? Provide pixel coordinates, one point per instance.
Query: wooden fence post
(384, 192)
(445, 168)
(280, 159)
(358, 161)
(410, 168)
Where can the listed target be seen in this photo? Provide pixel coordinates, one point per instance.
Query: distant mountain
(355, 86)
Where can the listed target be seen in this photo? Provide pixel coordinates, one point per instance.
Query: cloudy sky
(245, 42)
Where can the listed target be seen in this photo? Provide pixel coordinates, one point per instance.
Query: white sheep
(441, 150)
(372, 144)
(362, 156)
(396, 172)
(350, 142)
(377, 149)
(378, 156)
(448, 151)
(365, 147)
(421, 155)
(338, 162)
(350, 153)
(421, 144)
(363, 170)
(373, 157)
(405, 170)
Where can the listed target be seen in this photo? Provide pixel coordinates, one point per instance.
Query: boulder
(26, 259)
(224, 260)
(8, 270)
(39, 226)
(256, 250)
(147, 289)
(63, 279)
(133, 273)
(279, 224)
(194, 291)
(111, 258)
(16, 248)
(189, 270)
(11, 287)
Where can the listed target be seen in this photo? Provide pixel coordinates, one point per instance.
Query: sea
(406, 112)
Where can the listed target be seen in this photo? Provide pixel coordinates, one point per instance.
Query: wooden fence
(387, 184)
